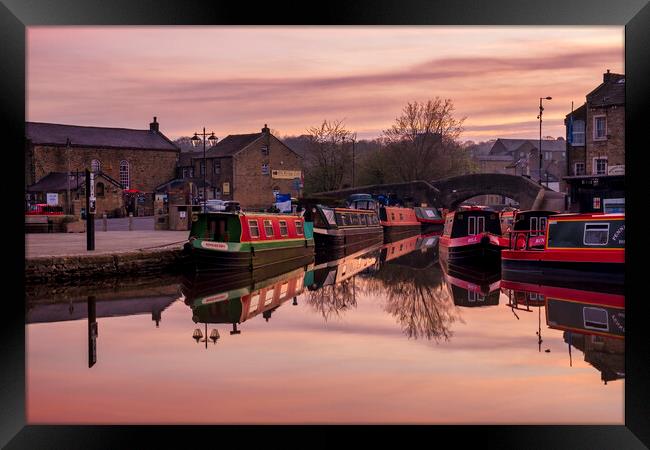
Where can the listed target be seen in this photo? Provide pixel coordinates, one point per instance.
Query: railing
(520, 239)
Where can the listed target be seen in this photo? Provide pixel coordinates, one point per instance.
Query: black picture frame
(15, 15)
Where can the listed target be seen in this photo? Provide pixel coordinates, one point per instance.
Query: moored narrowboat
(528, 229)
(579, 248)
(221, 241)
(398, 221)
(336, 228)
(472, 235)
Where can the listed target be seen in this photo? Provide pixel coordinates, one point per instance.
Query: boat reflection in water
(472, 286)
(593, 322)
(234, 303)
(332, 284)
(418, 251)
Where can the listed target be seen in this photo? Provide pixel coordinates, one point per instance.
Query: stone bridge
(450, 192)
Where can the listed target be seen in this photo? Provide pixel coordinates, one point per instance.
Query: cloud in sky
(235, 79)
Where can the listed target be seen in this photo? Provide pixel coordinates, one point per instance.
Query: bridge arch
(455, 190)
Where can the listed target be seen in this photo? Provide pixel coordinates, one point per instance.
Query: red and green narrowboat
(337, 230)
(430, 218)
(472, 235)
(580, 249)
(244, 241)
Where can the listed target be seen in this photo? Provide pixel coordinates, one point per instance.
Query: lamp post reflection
(198, 335)
(92, 332)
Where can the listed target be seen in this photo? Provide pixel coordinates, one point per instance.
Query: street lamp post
(195, 142)
(541, 109)
(67, 154)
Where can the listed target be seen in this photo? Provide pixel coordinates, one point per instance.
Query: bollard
(130, 221)
(105, 222)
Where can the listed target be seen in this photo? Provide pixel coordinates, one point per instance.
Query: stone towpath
(106, 242)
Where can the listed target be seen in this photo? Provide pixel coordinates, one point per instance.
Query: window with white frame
(579, 168)
(600, 127)
(268, 228)
(95, 166)
(596, 234)
(217, 166)
(125, 179)
(600, 166)
(548, 156)
(578, 137)
(299, 228)
(284, 231)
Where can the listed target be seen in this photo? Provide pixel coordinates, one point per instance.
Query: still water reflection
(385, 334)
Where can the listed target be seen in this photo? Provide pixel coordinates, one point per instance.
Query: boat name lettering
(214, 245)
(618, 232)
(215, 298)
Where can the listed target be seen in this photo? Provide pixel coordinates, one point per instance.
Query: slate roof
(513, 145)
(82, 136)
(58, 181)
(230, 145)
(610, 92)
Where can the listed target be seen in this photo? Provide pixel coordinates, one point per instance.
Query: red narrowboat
(528, 229)
(398, 221)
(472, 235)
(579, 248)
(224, 241)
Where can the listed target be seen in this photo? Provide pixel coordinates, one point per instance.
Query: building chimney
(607, 76)
(154, 126)
(265, 129)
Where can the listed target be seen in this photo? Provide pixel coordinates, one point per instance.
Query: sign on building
(285, 174)
(616, 170)
(52, 199)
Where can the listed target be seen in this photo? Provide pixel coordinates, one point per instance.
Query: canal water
(388, 334)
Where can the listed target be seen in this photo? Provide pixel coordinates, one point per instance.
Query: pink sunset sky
(236, 79)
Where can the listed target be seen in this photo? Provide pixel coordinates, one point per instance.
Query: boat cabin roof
(589, 216)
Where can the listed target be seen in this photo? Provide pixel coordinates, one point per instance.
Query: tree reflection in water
(334, 299)
(418, 299)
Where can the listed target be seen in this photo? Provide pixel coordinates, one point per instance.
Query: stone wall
(613, 147)
(64, 268)
(147, 168)
(254, 189)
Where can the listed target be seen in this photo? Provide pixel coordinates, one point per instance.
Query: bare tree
(422, 138)
(327, 159)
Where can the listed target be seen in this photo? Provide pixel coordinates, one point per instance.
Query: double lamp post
(196, 140)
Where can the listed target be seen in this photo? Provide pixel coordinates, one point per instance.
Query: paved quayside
(63, 256)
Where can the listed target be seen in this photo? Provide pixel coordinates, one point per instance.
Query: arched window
(95, 166)
(124, 174)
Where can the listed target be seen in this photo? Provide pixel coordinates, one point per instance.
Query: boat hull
(337, 240)
(476, 254)
(605, 276)
(204, 260)
(397, 232)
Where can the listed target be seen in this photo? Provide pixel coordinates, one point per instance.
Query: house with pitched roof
(596, 146)
(250, 168)
(139, 160)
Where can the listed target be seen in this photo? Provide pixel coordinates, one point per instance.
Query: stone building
(596, 146)
(108, 192)
(521, 157)
(250, 168)
(139, 160)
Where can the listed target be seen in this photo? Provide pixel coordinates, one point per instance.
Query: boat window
(283, 290)
(299, 228)
(542, 225)
(533, 226)
(480, 225)
(474, 296)
(254, 228)
(329, 216)
(356, 220)
(471, 226)
(283, 228)
(269, 296)
(268, 228)
(596, 233)
(401, 216)
(392, 216)
(255, 300)
(595, 318)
